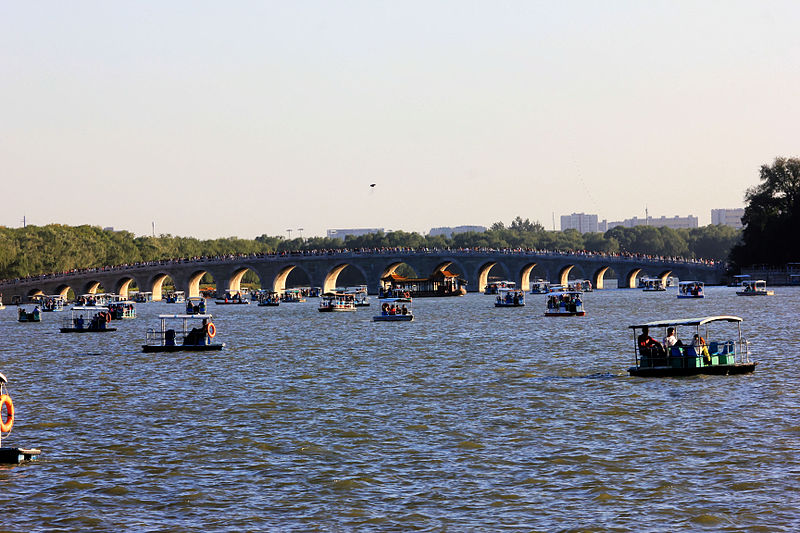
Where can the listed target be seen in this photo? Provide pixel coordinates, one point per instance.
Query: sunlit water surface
(468, 418)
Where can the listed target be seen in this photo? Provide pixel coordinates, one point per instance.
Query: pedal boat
(337, 301)
(182, 338)
(755, 288)
(723, 358)
(509, 298)
(565, 303)
(392, 310)
(91, 324)
(691, 289)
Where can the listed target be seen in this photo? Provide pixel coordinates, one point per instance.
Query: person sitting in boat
(701, 348)
(385, 309)
(36, 313)
(578, 302)
(671, 340)
(648, 345)
(79, 322)
(404, 310)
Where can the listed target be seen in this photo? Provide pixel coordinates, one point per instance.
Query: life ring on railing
(211, 330)
(6, 426)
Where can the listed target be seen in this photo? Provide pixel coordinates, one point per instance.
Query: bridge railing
(279, 256)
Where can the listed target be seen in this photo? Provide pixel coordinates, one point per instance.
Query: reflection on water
(468, 418)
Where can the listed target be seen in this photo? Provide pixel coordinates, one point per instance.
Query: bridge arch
(483, 273)
(235, 280)
(598, 276)
(279, 283)
(525, 276)
(90, 287)
(193, 284)
(563, 273)
(629, 280)
(63, 290)
(122, 285)
(35, 292)
(329, 281)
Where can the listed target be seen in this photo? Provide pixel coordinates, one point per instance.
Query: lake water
(470, 418)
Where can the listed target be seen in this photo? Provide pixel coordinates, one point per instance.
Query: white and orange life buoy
(6, 426)
(211, 330)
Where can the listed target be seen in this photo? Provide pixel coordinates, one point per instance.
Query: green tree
(772, 216)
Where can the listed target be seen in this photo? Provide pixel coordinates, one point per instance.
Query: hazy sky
(241, 118)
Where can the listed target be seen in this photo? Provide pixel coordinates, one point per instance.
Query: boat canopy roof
(562, 293)
(689, 282)
(198, 317)
(89, 308)
(687, 321)
(121, 302)
(392, 300)
(742, 276)
(195, 298)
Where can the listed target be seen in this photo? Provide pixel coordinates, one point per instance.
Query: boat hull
(577, 313)
(714, 370)
(508, 305)
(335, 310)
(686, 297)
(393, 318)
(767, 293)
(150, 348)
(86, 330)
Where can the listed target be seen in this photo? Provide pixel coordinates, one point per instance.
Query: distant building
(675, 222)
(580, 221)
(728, 217)
(356, 232)
(449, 232)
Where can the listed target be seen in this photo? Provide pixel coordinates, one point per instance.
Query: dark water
(470, 418)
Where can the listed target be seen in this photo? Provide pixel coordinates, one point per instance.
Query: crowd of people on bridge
(360, 251)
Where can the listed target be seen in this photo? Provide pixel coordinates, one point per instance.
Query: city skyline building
(675, 222)
(728, 217)
(584, 223)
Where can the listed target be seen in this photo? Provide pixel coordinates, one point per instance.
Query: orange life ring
(211, 330)
(6, 426)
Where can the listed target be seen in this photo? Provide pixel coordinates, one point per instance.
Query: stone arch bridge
(323, 268)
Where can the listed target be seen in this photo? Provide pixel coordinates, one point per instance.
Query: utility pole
(301, 233)
(290, 233)
(554, 220)
(24, 222)
(154, 229)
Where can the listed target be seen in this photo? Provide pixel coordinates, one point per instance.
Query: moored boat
(441, 283)
(394, 310)
(96, 320)
(182, 338)
(565, 303)
(691, 289)
(717, 357)
(510, 298)
(755, 288)
(337, 301)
